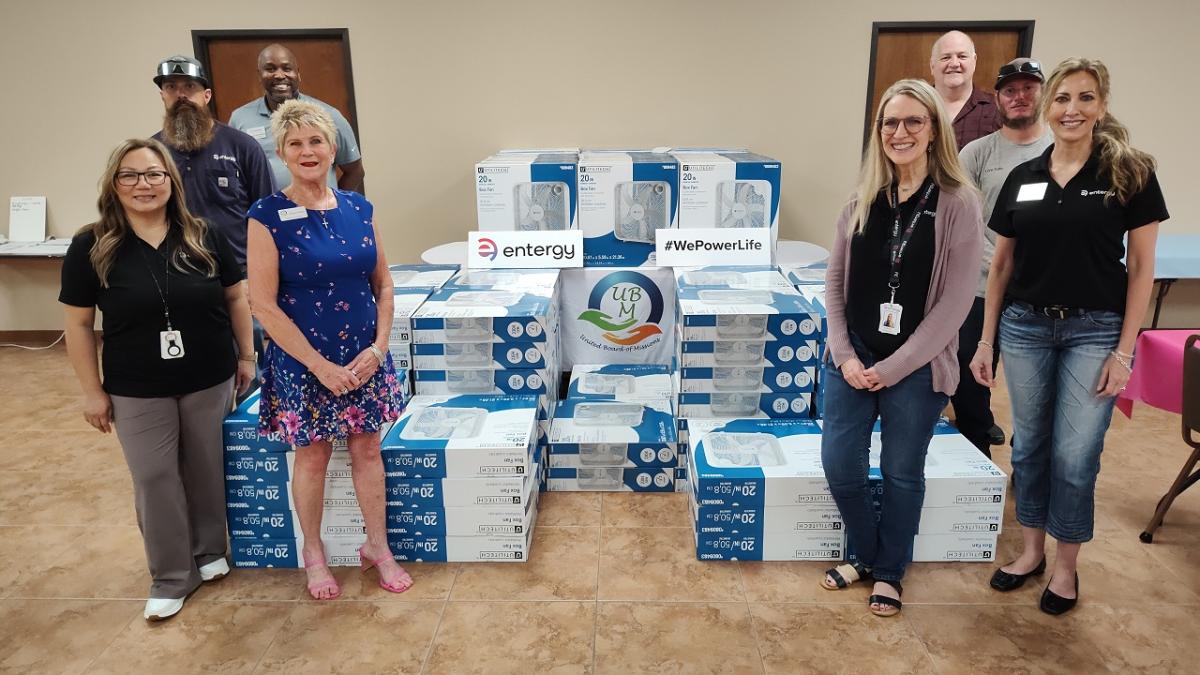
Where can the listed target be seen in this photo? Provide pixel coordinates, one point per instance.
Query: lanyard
(900, 239)
(164, 296)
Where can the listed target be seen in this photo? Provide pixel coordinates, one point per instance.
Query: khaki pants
(174, 449)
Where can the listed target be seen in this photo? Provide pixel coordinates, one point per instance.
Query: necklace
(320, 212)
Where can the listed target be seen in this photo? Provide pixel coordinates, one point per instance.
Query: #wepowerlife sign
(525, 250)
(696, 247)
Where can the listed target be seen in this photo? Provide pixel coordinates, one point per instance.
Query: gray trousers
(175, 452)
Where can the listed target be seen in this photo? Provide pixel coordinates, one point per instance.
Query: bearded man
(224, 170)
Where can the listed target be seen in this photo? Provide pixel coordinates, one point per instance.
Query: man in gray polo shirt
(988, 161)
(280, 73)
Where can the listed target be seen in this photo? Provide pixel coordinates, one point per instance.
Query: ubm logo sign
(526, 249)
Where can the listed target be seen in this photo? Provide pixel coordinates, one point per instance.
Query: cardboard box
(286, 553)
(726, 405)
(476, 548)
(527, 191)
(749, 353)
(732, 276)
(626, 455)
(402, 493)
(485, 355)
(463, 436)
(405, 303)
(277, 494)
(954, 547)
(497, 519)
(469, 315)
(621, 382)
(625, 197)
(279, 523)
(581, 421)
(611, 479)
(756, 463)
(504, 279)
(429, 277)
(747, 379)
(728, 189)
(277, 467)
(509, 381)
(780, 315)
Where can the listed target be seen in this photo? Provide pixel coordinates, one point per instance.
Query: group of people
(922, 299)
(189, 219)
(1071, 210)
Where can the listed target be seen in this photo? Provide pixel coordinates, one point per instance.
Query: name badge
(294, 213)
(222, 181)
(1031, 192)
(889, 318)
(257, 132)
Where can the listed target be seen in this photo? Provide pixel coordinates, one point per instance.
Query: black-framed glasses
(1026, 68)
(130, 178)
(912, 124)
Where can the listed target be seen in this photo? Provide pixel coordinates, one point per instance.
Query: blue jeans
(1052, 367)
(907, 413)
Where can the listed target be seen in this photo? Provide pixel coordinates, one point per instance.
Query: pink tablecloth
(1157, 377)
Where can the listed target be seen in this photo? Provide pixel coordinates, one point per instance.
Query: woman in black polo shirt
(1071, 313)
(171, 296)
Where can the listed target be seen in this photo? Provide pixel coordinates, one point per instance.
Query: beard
(1018, 123)
(187, 126)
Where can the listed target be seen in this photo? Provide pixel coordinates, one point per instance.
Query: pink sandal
(406, 581)
(316, 588)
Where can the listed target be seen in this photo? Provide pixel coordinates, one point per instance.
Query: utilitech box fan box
(625, 198)
(526, 191)
(728, 189)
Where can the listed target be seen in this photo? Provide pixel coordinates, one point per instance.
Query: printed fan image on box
(608, 384)
(643, 207)
(728, 449)
(541, 206)
(743, 203)
(445, 423)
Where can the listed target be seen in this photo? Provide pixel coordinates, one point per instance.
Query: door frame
(202, 38)
(1023, 28)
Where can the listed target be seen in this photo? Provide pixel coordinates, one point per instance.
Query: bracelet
(1127, 357)
(1124, 362)
(252, 358)
(985, 343)
(376, 352)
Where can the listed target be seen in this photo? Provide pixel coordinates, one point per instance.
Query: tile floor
(612, 587)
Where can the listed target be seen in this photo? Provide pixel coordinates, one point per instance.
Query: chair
(1189, 474)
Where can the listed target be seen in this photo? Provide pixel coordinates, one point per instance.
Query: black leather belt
(1059, 312)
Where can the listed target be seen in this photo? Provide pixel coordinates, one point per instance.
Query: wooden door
(231, 58)
(901, 50)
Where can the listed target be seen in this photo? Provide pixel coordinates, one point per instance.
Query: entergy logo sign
(525, 250)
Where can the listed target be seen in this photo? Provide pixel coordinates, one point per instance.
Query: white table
(799, 253)
(453, 253)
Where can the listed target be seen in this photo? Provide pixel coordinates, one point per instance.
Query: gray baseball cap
(1021, 67)
(181, 65)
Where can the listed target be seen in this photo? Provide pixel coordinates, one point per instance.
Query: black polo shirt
(1070, 241)
(870, 268)
(132, 364)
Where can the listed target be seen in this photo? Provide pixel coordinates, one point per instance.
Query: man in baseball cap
(224, 170)
(988, 160)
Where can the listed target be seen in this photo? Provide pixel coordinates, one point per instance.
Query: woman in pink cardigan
(900, 283)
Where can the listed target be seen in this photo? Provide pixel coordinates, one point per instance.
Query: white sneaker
(214, 570)
(158, 609)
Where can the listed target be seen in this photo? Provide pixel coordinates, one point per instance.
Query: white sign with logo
(696, 247)
(525, 250)
(617, 315)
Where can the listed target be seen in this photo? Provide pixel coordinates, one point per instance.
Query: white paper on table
(27, 219)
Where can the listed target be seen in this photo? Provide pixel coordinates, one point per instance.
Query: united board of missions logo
(626, 306)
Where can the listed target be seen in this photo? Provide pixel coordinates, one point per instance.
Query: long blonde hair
(1127, 168)
(113, 226)
(878, 173)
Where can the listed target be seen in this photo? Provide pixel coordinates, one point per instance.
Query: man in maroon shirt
(952, 64)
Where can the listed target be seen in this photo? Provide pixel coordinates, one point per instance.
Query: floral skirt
(302, 411)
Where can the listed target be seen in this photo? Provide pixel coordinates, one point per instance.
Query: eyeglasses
(1027, 68)
(914, 124)
(130, 178)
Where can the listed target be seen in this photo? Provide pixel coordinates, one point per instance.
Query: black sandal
(893, 603)
(844, 575)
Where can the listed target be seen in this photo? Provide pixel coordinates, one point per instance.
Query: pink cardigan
(958, 248)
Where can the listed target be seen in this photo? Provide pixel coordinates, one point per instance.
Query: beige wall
(440, 85)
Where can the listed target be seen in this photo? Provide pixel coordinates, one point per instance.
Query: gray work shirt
(988, 161)
(254, 118)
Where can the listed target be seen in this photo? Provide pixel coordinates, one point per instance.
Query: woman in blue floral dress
(320, 286)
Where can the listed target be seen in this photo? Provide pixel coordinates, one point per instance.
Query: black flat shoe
(1006, 581)
(995, 435)
(1055, 604)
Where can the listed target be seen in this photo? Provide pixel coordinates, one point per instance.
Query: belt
(1059, 312)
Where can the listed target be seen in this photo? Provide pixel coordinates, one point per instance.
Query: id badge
(170, 344)
(889, 318)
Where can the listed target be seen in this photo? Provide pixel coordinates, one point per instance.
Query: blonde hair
(113, 226)
(1126, 167)
(294, 114)
(878, 173)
